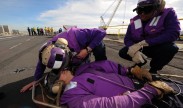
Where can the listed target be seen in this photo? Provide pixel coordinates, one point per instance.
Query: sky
(20, 14)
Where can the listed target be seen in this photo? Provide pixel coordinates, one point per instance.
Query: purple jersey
(99, 85)
(162, 28)
(81, 38)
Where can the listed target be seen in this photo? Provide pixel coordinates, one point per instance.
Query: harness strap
(119, 69)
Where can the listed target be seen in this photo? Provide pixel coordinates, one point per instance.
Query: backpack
(169, 100)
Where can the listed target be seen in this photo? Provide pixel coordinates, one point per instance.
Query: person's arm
(128, 39)
(60, 35)
(97, 35)
(27, 87)
(40, 68)
(171, 31)
(132, 100)
(90, 37)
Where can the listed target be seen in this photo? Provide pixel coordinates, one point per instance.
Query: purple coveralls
(160, 32)
(162, 28)
(98, 85)
(78, 39)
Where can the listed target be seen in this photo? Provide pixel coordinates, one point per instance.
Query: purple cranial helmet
(153, 4)
(54, 57)
(147, 2)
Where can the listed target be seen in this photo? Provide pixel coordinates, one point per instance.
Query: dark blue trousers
(99, 52)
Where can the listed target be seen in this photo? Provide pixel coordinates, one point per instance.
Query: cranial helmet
(54, 57)
(148, 2)
(154, 4)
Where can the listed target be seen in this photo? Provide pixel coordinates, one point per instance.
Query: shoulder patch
(138, 24)
(71, 85)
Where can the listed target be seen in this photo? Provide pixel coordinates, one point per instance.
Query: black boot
(2, 95)
(153, 71)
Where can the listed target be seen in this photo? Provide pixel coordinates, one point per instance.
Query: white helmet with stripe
(54, 57)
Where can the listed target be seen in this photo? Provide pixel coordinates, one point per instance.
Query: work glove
(133, 49)
(136, 47)
(141, 74)
(143, 43)
(139, 57)
(162, 88)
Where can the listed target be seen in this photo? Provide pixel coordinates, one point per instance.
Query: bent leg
(100, 52)
(123, 54)
(2, 95)
(161, 55)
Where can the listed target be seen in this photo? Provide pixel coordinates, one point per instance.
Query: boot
(2, 95)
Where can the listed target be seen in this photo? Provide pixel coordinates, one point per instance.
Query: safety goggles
(144, 10)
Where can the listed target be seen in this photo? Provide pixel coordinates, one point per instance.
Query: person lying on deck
(105, 84)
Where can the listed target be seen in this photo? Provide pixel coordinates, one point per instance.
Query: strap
(119, 69)
(92, 71)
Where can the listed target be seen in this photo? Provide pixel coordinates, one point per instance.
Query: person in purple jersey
(152, 34)
(105, 84)
(80, 42)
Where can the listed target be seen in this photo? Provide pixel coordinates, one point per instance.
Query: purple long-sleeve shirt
(170, 31)
(78, 39)
(98, 85)
(81, 38)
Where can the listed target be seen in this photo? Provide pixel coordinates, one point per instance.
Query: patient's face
(66, 76)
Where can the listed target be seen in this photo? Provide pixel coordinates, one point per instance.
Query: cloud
(177, 5)
(82, 13)
(86, 13)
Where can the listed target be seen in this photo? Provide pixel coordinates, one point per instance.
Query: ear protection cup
(40, 52)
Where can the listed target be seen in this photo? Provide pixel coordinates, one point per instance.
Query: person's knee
(171, 50)
(175, 49)
(2, 95)
(100, 56)
(100, 52)
(165, 54)
(123, 52)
